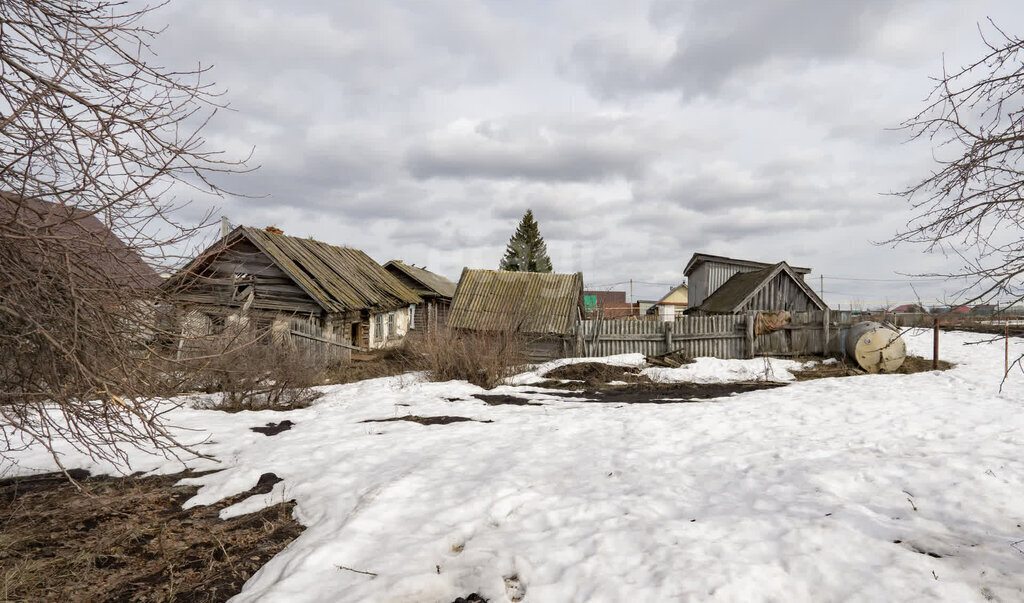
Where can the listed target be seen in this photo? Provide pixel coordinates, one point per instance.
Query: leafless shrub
(484, 358)
(251, 371)
(92, 140)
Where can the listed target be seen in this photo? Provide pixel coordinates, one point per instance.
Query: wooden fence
(721, 336)
(309, 338)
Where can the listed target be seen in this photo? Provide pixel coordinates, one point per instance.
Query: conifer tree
(526, 250)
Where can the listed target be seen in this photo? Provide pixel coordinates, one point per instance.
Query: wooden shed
(771, 289)
(545, 307)
(341, 294)
(705, 273)
(436, 291)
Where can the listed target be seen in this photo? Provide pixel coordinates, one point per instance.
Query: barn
(775, 288)
(340, 294)
(546, 308)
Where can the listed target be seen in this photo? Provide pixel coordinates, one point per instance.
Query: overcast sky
(638, 132)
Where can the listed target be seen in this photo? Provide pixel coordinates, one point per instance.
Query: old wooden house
(546, 308)
(332, 293)
(773, 288)
(435, 290)
(705, 273)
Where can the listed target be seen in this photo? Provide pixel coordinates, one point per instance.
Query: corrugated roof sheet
(336, 278)
(432, 283)
(531, 302)
(735, 291)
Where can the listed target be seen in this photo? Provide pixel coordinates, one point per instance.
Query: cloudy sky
(638, 132)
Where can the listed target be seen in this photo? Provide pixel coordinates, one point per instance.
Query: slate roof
(336, 278)
(530, 302)
(431, 284)
(741, 286)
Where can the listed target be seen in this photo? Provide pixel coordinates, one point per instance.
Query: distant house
(544, 307)
(984, 309)
(673, 304)
(705, 273)
(773, 288)
(258, 275)
(435, 290)
(910, 308)
(608, 305)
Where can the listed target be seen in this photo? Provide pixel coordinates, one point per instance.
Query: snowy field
(869, 488)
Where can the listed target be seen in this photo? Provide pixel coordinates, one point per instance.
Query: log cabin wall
(242, 272)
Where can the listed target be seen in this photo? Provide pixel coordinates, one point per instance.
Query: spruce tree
(526, 251)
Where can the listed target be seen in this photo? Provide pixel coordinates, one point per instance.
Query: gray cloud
(716, 41)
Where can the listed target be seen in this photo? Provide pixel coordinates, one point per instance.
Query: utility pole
(631, 300)
(224, 227)
(821, 287)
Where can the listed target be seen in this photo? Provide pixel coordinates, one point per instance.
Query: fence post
(824, 334)
(668, 337)
(750, 334)
(935, 345)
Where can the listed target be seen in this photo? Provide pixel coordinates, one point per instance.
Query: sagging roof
(741, 287)
(529, 302)
(336, 278)
(431, 284)
(100, 255)
(699, 258)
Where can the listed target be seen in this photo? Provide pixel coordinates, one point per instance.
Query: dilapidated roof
(430, 284)
(741, 287)
(530, 302)
(336, 278)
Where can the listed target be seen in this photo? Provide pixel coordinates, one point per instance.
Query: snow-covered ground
(869, 488)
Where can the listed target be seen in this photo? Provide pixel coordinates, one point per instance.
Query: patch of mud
(595, 374)
(128, 539)
(272, 429)
(844, 367)
(442, 420)
(500, 399)
(675, 393)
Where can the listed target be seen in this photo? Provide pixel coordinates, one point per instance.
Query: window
(391, 324)
(412, 316)
(378, 327)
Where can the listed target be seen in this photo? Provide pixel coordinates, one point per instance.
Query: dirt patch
(675, 393)
(844, 368)
(128, 539)
(272, 429)
(442, 420)
(595, 374)
(499, 399)
(917, 364)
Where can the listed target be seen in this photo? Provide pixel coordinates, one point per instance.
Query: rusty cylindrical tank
(875, 347)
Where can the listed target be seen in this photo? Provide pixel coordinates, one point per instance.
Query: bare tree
(972, 204)
(93, 139)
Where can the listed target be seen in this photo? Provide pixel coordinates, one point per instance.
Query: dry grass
(253, 372)
(482, 358)
(127, 539)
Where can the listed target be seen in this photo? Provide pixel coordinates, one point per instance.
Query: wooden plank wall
(718, 336)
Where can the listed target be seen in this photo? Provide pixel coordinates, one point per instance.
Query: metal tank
(875, 347)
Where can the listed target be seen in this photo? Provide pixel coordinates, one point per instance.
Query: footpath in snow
(868, 488)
